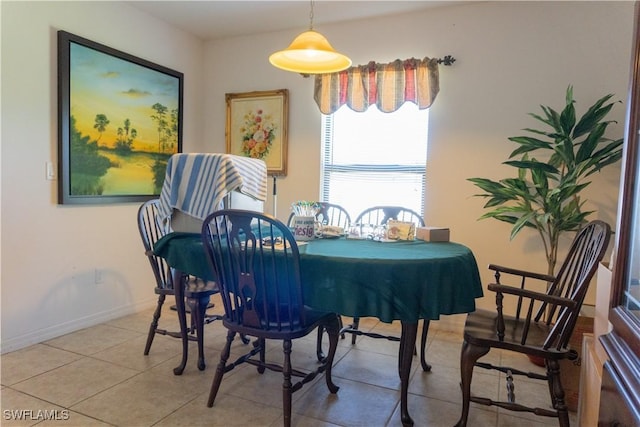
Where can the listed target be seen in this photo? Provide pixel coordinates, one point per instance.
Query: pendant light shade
(310, 53)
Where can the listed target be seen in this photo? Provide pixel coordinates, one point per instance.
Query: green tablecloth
(391, 281)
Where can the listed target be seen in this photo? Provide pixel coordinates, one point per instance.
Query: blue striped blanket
(196, 183)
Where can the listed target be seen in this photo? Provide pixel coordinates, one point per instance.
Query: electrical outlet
(98, 276)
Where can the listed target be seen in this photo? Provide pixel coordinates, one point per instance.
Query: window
(374, 158)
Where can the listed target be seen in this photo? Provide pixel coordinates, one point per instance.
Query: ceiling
(210, 20)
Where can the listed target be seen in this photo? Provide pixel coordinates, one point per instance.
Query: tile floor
(99, 377)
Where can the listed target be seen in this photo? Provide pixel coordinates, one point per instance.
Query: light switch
(50, 171)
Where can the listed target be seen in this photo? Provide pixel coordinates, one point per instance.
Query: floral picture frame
(257, 127)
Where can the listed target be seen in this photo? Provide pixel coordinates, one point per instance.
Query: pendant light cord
(311, 17)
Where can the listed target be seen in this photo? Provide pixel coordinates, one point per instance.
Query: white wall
(50, 251)
(511, 57)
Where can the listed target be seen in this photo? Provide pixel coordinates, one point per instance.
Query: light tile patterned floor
(99, 377)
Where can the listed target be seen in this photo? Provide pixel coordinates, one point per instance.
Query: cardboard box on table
(432, 234)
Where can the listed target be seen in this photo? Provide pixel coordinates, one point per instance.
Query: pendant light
(310, 53)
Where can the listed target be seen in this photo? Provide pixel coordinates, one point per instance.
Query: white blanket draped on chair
(197, 183)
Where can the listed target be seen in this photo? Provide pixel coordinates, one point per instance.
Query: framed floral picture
(257, 127)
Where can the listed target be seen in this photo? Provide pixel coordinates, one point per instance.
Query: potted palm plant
(545, 193)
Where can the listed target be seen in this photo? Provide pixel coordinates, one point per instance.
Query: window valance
(386, 85)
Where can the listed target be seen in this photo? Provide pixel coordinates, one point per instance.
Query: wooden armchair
(541, 327)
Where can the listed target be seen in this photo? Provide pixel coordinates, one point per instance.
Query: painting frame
(120, 155)
(257, 127)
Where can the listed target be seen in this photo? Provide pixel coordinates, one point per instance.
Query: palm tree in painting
(160, 117)
(100, 124)
(126, 135)
(164, 133)
(174, 129)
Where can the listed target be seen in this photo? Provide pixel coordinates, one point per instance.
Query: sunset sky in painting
(104, 84)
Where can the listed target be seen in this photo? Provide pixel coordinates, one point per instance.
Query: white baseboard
(55, 331)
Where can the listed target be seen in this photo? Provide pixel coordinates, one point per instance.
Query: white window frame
(328, 166)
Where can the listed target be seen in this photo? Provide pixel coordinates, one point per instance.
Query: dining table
(393, 280)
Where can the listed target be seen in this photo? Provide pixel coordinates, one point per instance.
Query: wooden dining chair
(256, 260)
(380, 215)
(197, 291)
(329, 214)
(541, 327)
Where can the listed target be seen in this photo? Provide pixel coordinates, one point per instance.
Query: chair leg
(263, 350)
(468, 357)
(286, 385)
(557, 392)
(217, 379)
(354, 326)
(178, 288)
(198, 308)
(154, 324)
(423, 346)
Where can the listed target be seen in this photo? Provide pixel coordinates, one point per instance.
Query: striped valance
(386, 85)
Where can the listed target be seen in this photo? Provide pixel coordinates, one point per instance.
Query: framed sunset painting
(119, 121)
